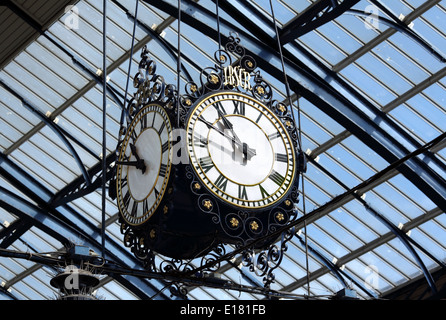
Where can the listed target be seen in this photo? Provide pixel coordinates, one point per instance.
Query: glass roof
(396, 85)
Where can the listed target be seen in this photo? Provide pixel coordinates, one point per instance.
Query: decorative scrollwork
(178, 290)
(233, 44)
(174, 266)
(214, 256)
(150, 87)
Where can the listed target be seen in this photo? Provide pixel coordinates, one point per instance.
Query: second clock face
(144, 164)
(240, 150)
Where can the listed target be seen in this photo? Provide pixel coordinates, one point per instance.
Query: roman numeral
(263, 192)
(123, 183)
(221, 182)
(200, 141)
(242, 192)
(145, 206)
(206, 163)
(162, 128)
(134, 211)
(274, 135)
(163, 170)
(165, 147)
(153, 120)
(126, 199)
(219, 106)
(144, 121)
(276, 178)
(258, 118)
(239, 107)
(281, 157)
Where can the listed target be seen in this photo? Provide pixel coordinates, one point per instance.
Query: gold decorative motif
(250, 64)
(213, 78)
(197, 186)
(193, 88)
(287, 203)
(127, 237)
(234, 222)
(260, 90)
(254, 225)
(141, 242)
(165, 209)
(152, 234)
(207, 204)
(288, 123)
(281, 108)
(279, 216)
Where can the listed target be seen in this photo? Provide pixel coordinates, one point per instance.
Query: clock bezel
(276, 122)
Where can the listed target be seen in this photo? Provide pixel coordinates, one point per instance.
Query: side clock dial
(144, 164)
(240, 150)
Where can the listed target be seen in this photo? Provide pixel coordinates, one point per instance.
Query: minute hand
(251, 152)
(227, 124)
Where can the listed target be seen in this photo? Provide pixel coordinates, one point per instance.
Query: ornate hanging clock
(217, 165)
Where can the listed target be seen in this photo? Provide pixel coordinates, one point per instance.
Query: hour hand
(133, 148)
(248, 153)
(139, 163)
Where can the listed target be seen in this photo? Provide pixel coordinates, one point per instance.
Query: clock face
(144, 164)
(240, 150)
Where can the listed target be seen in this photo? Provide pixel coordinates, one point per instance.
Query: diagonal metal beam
(314, 16)
(14, 231)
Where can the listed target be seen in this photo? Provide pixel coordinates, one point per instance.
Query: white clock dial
(240, 150)
(144, 164)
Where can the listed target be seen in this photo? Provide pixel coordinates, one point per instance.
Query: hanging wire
(218, 24)
(218, 34)
(304, 210)
(178, 63)
(287, 86)
(131, 54)
(104, 119)
(299, 138)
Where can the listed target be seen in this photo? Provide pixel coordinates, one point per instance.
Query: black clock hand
(133, 148)
(226, 122)
(139, 163)
(229, 126)
(249, 151)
